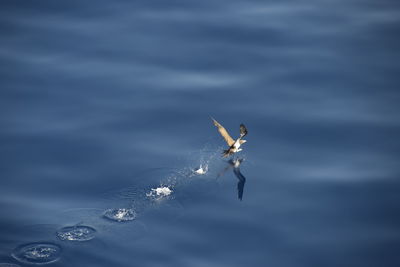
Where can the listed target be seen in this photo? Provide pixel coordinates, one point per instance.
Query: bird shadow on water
(235, 165)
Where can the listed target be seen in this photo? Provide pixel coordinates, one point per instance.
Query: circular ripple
(37, 253)
(76, 233)
(120, 215)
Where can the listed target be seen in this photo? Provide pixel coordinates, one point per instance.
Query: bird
(234, 145)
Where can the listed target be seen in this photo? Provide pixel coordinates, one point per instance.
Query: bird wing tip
(214, 121)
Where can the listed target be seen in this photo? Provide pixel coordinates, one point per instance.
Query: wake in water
(200, 165)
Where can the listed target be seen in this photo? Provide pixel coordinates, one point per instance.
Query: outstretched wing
(224, 133)
(243, 130)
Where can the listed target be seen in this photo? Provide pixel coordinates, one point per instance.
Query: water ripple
(76, 233)
(37, 253)
(120, 215)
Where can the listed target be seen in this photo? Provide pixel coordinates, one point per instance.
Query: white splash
(120, 215)
(160, 192)
(201, 170)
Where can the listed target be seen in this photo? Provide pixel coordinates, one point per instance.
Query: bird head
(243, 141)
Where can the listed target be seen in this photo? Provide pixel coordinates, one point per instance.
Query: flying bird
(234, 145)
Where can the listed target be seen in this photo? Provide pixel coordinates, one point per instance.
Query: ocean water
(103, 102)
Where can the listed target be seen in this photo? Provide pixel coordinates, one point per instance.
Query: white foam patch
(203, 169)
(162, 191)
(159, 193)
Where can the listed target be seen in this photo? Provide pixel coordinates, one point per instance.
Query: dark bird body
(234, 145)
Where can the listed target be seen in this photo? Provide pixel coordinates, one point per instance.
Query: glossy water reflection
(101, 103)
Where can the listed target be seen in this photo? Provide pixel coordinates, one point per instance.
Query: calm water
(101, 103)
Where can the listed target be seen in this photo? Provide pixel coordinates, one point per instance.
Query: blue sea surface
(103, 102)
